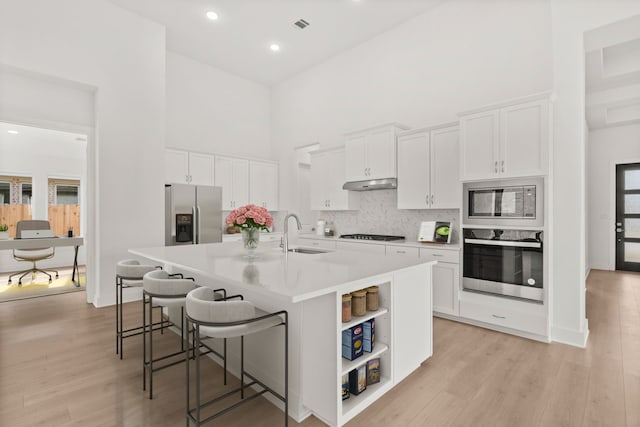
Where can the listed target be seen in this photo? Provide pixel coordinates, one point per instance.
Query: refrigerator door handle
(198, 222)
(196, 225)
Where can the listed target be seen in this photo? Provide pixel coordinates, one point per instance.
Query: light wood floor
(58, 368)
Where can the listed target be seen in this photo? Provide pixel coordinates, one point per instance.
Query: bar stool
(229, 319)
(129, 273)
(164, 290)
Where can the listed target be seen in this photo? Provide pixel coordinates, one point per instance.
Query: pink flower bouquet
(250, 216)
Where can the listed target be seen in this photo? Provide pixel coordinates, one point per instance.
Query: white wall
(606, 147)
(210, 110)
(123, 56)
(570, 21)
(460, 55)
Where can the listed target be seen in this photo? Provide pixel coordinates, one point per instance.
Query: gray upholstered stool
(229, 318)
(129, 273)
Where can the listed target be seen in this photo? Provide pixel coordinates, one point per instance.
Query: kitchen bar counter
(310, 288)
(296, 277)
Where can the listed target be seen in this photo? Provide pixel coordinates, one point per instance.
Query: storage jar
(358, 302)
(372, 298)
(346, 307)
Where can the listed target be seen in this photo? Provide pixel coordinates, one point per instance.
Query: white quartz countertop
(296, 277)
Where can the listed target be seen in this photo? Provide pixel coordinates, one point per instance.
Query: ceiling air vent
(301, 23)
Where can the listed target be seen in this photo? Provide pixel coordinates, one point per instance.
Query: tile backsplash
(379, 214)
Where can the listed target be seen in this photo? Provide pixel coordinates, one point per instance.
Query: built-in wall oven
(504, 262)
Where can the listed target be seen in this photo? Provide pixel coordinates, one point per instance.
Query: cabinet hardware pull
(432, 199)
(503, 166)
(495, 166)
(440, 255)
(401, 252)
(498, 317)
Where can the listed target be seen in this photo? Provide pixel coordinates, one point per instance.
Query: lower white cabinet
(362, 247)
(317, 243)
(512, 314)
(446, 279)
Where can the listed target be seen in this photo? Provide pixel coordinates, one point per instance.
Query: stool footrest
(228, 408)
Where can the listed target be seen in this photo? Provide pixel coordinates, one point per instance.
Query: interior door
(628, 217)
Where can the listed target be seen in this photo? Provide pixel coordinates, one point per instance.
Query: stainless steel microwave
(510, 202)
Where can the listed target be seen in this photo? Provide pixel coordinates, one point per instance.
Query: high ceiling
(238, 41)
(613, 74)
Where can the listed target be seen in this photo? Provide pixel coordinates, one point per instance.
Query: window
(15, 200)
(5, 193)
(25, 193)
(67, 195)
(64, 206)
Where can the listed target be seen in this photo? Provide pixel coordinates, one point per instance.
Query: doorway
(628, 217)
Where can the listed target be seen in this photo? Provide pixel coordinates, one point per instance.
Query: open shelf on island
(355, 404)
(348, 365)
(356, 320)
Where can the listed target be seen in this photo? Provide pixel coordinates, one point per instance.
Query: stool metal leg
(150, 347)
(121, 322)
(117, 317)
(198, 375)
(242, 367)
(144, 341)
(286, 369)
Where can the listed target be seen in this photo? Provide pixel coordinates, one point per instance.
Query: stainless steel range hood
(371, 184)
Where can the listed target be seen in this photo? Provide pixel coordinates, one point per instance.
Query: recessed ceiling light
(13, 132)
(274, 47)
(212, 15)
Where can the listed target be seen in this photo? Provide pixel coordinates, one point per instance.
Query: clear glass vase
(250, 240)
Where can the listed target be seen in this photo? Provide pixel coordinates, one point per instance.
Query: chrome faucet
(285, 234)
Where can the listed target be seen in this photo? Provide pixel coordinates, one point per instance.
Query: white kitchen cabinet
(428, 169)
(232, 174)
(510, 140)
(327, 178)
(317, 242)
(263, 184)
(445, 279)
(371, 153)
(185, 167)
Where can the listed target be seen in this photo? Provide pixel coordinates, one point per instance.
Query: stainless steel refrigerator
(193, 214)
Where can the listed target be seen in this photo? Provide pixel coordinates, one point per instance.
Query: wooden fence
(61, 217)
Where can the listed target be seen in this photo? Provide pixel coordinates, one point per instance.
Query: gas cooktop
(371, 237)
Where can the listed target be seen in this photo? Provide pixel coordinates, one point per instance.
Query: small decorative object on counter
(328, 229)
(250, 219)
(373, 371)
(358, 302)
(346, 307)
(320, 227)
(70, 232)
(358, 380)
(372, 298)
(345, 386)
(352, 342)
(369, 335)
(4, 232)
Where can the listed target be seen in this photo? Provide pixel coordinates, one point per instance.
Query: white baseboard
(570, 336)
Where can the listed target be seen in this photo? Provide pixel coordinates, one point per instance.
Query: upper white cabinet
(371, 153)
(232, 174)
(188, 168)
(510, 140)
(428, 169)
(327, 178)
(263, 184)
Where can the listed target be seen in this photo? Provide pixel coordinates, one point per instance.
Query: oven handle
(504, 243)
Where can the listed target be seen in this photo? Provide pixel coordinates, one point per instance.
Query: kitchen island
(310, 287)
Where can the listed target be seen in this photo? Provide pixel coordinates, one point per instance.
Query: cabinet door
(338, 198)
(446, 189)
(479, 138)
(240, 182)
(263, 184)
(320, 169)
(413, 324)
(380, 154)
(176, 166)
(355, 158)
(201, 169)
(524, 138)
(413, 171)
(361, 247)
(233, 176)
(446, 279)
(223, 177)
